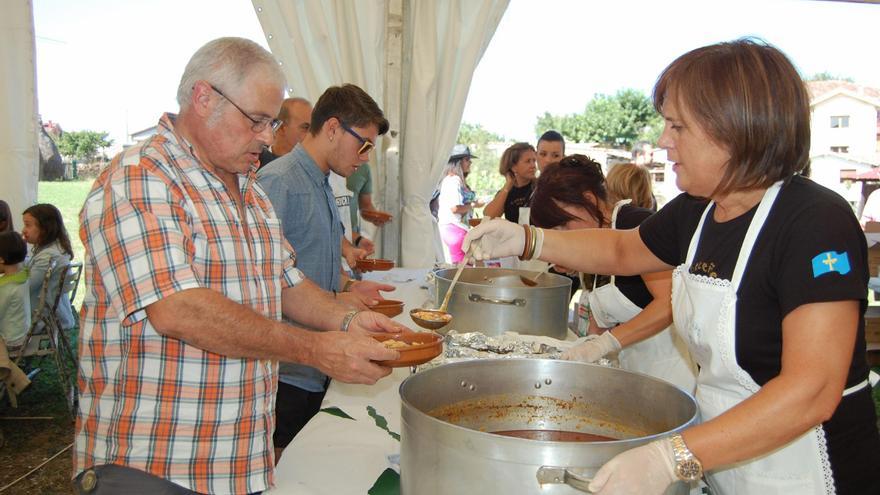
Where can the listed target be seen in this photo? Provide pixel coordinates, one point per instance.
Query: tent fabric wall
(446, 42)
(19, 153)
(326, 43)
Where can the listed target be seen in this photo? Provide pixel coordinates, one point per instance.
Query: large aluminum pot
(459, 454)
(494, 301)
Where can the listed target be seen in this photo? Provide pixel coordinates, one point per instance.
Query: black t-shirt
(630, 217)
(806, 223)
(266, 156)
(517, 198)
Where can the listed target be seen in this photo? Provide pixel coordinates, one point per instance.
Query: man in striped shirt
(188, 275)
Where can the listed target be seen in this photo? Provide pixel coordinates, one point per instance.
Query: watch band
(687, 466)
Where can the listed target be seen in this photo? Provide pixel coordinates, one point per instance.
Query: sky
(114, 66)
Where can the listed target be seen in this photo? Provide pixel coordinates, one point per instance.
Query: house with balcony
(845, 137)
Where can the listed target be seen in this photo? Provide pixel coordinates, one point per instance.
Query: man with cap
(455, 201)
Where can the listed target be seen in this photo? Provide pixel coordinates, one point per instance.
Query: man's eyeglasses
(366, 145)
(258, 124)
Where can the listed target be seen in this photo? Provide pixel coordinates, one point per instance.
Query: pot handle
(564, 476)
(508, 302)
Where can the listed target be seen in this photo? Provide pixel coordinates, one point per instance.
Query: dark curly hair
(566, 184)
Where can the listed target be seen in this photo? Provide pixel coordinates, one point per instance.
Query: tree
(83, 145)
(484, 178)
(827, 76)
(617, 121)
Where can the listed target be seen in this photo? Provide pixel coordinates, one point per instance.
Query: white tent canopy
(415, 57)
(19, 154)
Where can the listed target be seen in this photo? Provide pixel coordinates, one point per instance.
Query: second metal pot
(494, 301)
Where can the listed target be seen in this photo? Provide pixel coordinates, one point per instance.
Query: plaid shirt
(155, 223)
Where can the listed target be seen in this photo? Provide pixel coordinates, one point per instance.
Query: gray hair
(226, 62)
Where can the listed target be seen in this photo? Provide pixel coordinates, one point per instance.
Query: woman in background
(518, 166)
(633, 313)
(44, 230)
(551, 149)
(630, 181)
(456, 201)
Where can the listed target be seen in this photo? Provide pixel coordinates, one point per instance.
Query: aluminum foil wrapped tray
(476, 345)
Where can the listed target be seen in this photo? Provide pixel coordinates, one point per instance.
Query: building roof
(824, 90)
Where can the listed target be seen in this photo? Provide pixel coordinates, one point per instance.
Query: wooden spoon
(531, 282)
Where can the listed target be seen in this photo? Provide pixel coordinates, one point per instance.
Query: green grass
(68, 197)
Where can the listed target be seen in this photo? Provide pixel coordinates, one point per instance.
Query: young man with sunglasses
(345, 124)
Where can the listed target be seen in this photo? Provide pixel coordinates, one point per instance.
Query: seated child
(44, 229)
(15, 304)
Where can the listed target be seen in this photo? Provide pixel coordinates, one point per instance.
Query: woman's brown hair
(749, 98)
(630, 181)
(511, 156)
(566, 184)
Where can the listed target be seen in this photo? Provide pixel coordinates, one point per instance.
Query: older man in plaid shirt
(188, 275)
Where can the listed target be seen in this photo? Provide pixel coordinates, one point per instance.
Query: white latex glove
(593, 349)
(496, 238)
(645, 470)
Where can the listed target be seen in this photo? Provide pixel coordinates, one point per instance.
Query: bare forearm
(495, 208)
(310, 306)
(817, 349)
(655, 317)
(649, 322)
(210, 321)
(780, 412)
(459, 209)
(603, 251)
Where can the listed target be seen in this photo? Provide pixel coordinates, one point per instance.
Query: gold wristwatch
(687, 466)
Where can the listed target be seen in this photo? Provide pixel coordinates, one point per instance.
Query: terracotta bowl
(388, 307)
(376, 216)
(473, 222)
(369, 265)
(414, 347)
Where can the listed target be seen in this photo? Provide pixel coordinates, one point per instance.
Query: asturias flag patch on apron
(830, 261)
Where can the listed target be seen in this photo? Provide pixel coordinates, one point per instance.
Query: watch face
(689, 470)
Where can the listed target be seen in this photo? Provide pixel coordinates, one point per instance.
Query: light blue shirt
(304, 201)
(37, 265)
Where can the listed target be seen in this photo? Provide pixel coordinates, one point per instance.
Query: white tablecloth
(334, 455)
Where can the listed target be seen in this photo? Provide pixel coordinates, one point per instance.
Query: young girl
(44, 229)
(15, 302)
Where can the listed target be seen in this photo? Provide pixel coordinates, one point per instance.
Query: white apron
(704, 310)
(663, 356)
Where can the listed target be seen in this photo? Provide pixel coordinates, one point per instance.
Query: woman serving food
(629, 314)
(769, 287)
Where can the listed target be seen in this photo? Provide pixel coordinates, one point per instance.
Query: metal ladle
(441, 317)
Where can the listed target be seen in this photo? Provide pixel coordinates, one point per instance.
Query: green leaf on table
(381, 422)
(337, 412)
(388, 483)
